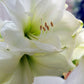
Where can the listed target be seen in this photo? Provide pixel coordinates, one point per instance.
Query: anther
(47, 28)
(45, 24)
(40, 27)
(44, 29)
(52, 24)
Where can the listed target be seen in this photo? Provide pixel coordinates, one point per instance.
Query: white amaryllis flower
(37, 41)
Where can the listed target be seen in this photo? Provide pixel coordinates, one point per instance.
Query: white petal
(26, 4)
(48, 42)
(46, 47)
(13, 36)
(77, 31)
(8, 62)
(79, 39)
(65, 28)
(77, 76)
(1, 24)
(22, 74)
(49, 64)
(78, 52)
(50, 10)
(15, 10)
(3, 13)
(70, 22)
(52, 39)
(48, 80)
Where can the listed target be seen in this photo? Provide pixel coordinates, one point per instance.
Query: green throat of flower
(35, 29)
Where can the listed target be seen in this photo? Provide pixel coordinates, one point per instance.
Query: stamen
(48, 28)
(45, 24)
(52, 24)
(44, 28)
(40, 27)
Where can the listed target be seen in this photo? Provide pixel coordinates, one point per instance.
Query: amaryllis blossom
(36, 40)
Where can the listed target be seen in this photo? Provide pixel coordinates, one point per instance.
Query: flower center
(38, 28)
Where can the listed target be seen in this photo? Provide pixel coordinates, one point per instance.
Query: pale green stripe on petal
(78, 52)
(79, 39)
(78, 30)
